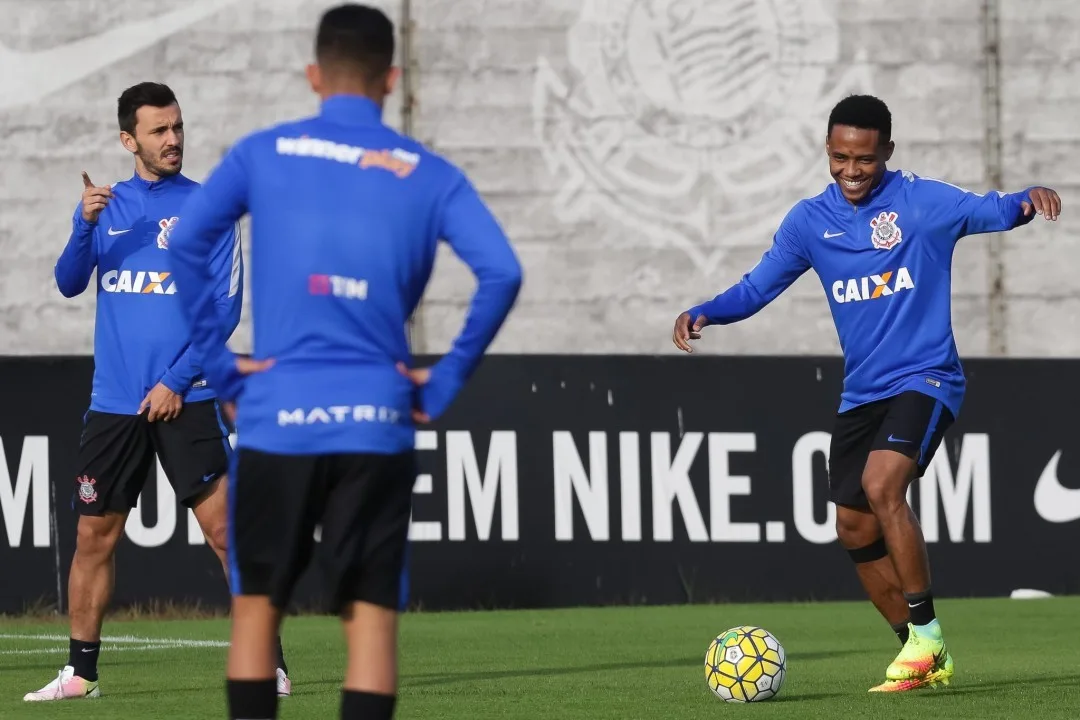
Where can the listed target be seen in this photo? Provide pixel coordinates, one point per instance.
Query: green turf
(1014, 659)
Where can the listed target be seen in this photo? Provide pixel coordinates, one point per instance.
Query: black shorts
(116, 456)
(363, 503)
(910, 423)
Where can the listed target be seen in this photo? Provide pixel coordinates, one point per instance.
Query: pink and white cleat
(284, 684)
(68, 686)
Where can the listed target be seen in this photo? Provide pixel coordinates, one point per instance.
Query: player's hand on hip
(250, 366)
(687, 329)
(418, 376)
(163, 404)
(94, 199)
(1044, 201)
(245, 366)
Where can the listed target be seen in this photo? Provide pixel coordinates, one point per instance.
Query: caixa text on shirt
(336, 414)
(872, 287)
(141, 282)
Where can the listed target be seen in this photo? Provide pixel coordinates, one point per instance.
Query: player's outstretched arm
(961, 212)
(210, 213)
(475, 236)
(76, 263)
(780, 266)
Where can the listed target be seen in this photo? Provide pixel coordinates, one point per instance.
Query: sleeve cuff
(1019, 198)
(225, 380)
(174, 383)
(442, 388)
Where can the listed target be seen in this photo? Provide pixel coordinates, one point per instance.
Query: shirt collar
(151, 185)
(351, 110)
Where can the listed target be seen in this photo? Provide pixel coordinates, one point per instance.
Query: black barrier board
(582, 480)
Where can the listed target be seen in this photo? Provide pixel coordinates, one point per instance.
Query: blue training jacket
(886, 268)
(346, 215)
(140, 337)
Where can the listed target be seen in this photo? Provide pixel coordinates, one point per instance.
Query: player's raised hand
(1044, 201)
(687, 329)
(94, 199)
(418, 376)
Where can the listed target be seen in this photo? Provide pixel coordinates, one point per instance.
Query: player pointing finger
(94, 199)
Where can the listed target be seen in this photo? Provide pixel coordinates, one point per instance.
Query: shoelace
(59, 683)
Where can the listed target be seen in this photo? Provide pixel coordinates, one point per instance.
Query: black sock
(83, 657)
(281, 657)
(366, 706)
(901, 630)
(252, 699)
(921, 607)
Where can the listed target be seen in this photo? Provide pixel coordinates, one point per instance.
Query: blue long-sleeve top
(886, 267)
(140, 337)
(346, 217)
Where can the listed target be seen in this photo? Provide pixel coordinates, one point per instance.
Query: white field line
(117, 643)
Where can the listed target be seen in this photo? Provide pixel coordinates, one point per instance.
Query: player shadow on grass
(827, 655)
(157, 691)
(409, 680)
(796, 696)
(441, 678)
(962, 687)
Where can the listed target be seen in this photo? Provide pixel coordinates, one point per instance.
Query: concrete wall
(639, 152)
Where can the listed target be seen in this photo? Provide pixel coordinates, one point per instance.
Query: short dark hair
(357, 36)
(862, 111)
(146, 93)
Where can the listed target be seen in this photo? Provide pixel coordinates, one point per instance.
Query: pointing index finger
(86, 180)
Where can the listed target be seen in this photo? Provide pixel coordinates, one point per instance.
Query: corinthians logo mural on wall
(697, 122)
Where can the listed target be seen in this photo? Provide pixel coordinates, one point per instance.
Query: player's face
(159, 139)
(856, 160)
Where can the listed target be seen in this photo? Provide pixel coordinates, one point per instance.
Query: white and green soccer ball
(745, 664)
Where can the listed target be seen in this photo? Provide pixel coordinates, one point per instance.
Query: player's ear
(889, 147)
(128, 141)
(392, 77)
(314, 76)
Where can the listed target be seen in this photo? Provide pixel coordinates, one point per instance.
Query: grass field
(1013, 659)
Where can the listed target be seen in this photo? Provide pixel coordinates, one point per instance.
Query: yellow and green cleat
(924, 661)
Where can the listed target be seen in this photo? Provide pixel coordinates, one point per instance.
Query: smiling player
(882, 243)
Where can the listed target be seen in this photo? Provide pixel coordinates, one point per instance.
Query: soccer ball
(745, 664)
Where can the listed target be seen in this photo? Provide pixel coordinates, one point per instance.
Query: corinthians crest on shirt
(166, 225)
(884, 232)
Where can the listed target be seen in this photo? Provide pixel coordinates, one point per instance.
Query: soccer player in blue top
(881, 241)
(149, 393)
(346, 218)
